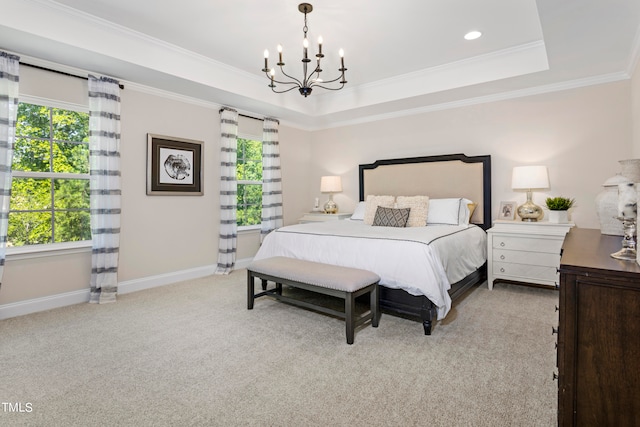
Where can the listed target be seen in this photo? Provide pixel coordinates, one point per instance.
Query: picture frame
(507, 211)
(174, 166)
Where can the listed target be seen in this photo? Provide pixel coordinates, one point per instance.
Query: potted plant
(559, 208)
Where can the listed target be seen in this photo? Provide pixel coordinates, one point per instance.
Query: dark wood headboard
(450, 175)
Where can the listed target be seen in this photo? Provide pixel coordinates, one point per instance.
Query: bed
(423, 269)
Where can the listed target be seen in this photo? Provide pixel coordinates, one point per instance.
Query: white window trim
(50, 249)
(50, 175)
(52, 103)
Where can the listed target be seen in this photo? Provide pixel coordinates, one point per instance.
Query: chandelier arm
(281, 82)
(298, 82)
(331, 81)
(331, 88)
(284, 83)
(284, 91)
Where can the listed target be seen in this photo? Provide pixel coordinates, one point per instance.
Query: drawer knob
(555, 376)
(501, 256)
(502, 244)
(501, 269)
(554, 330)
(557, 308)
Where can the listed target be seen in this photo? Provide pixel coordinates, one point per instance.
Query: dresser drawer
(527, 244)
(525, 271)
(524, 257)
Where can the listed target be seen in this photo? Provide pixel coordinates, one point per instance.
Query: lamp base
(529, 211)
(330, 207)
(629, 243)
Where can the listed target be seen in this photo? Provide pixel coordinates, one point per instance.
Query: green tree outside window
(50, 188)
(249, 176)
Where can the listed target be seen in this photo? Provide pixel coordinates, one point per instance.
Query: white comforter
(420, 260)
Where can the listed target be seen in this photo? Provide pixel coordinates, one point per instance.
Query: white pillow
(445, 211)
(358, 214)
(372, 206)
(464, 215)
(419, 206)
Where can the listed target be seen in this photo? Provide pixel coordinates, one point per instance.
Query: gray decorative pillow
(389, 217)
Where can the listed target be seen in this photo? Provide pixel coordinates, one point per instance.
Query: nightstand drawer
(524, 272)
(552, 246)
(525, 257)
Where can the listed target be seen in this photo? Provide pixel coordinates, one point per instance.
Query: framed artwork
(507, 211)
(174, 166)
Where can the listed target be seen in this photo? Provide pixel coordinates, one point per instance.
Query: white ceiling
(402, 56)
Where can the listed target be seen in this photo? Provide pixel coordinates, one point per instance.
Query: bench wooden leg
(349, 311)
(374, 306)
(250, 290)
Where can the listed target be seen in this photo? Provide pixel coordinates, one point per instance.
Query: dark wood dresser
(598, 334)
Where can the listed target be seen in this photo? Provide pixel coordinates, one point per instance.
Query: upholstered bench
(342, 282)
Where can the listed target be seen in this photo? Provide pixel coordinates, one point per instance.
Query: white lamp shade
(330, 184)
(528, 177)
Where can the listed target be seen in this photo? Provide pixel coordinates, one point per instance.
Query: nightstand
(321, 216)
(527, 252)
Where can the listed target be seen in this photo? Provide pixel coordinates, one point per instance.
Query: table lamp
(529, 178)
(330, 184)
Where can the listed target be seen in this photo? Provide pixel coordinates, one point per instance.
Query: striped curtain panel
(228, 191)
(9, 77)
(271, 178)
(104, 161)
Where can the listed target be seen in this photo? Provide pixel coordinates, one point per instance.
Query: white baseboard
(35, 305)
(164, 279)
(21, 308)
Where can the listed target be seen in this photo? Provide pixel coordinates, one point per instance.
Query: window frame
(56, 248)
(244, 135)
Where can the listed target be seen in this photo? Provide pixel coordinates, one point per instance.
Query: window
(249, 176)
(50, 189)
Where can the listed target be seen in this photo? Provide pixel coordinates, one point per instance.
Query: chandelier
(310, 80)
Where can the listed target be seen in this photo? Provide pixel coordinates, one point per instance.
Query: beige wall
(159, 234)
(578, 134)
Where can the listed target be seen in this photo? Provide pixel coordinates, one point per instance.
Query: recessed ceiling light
(472, 35)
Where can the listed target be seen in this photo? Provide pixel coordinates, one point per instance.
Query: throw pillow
(419, 206)
(372, 204)
(390, 217)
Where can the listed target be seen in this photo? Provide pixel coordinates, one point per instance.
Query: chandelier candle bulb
(266, 60)
(320, 46)
(341, 53)
(280, 55)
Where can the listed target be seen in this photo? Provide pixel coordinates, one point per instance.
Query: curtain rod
(245, 115)
(61, 72)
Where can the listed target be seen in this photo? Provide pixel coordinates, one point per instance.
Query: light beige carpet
(191, 354)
